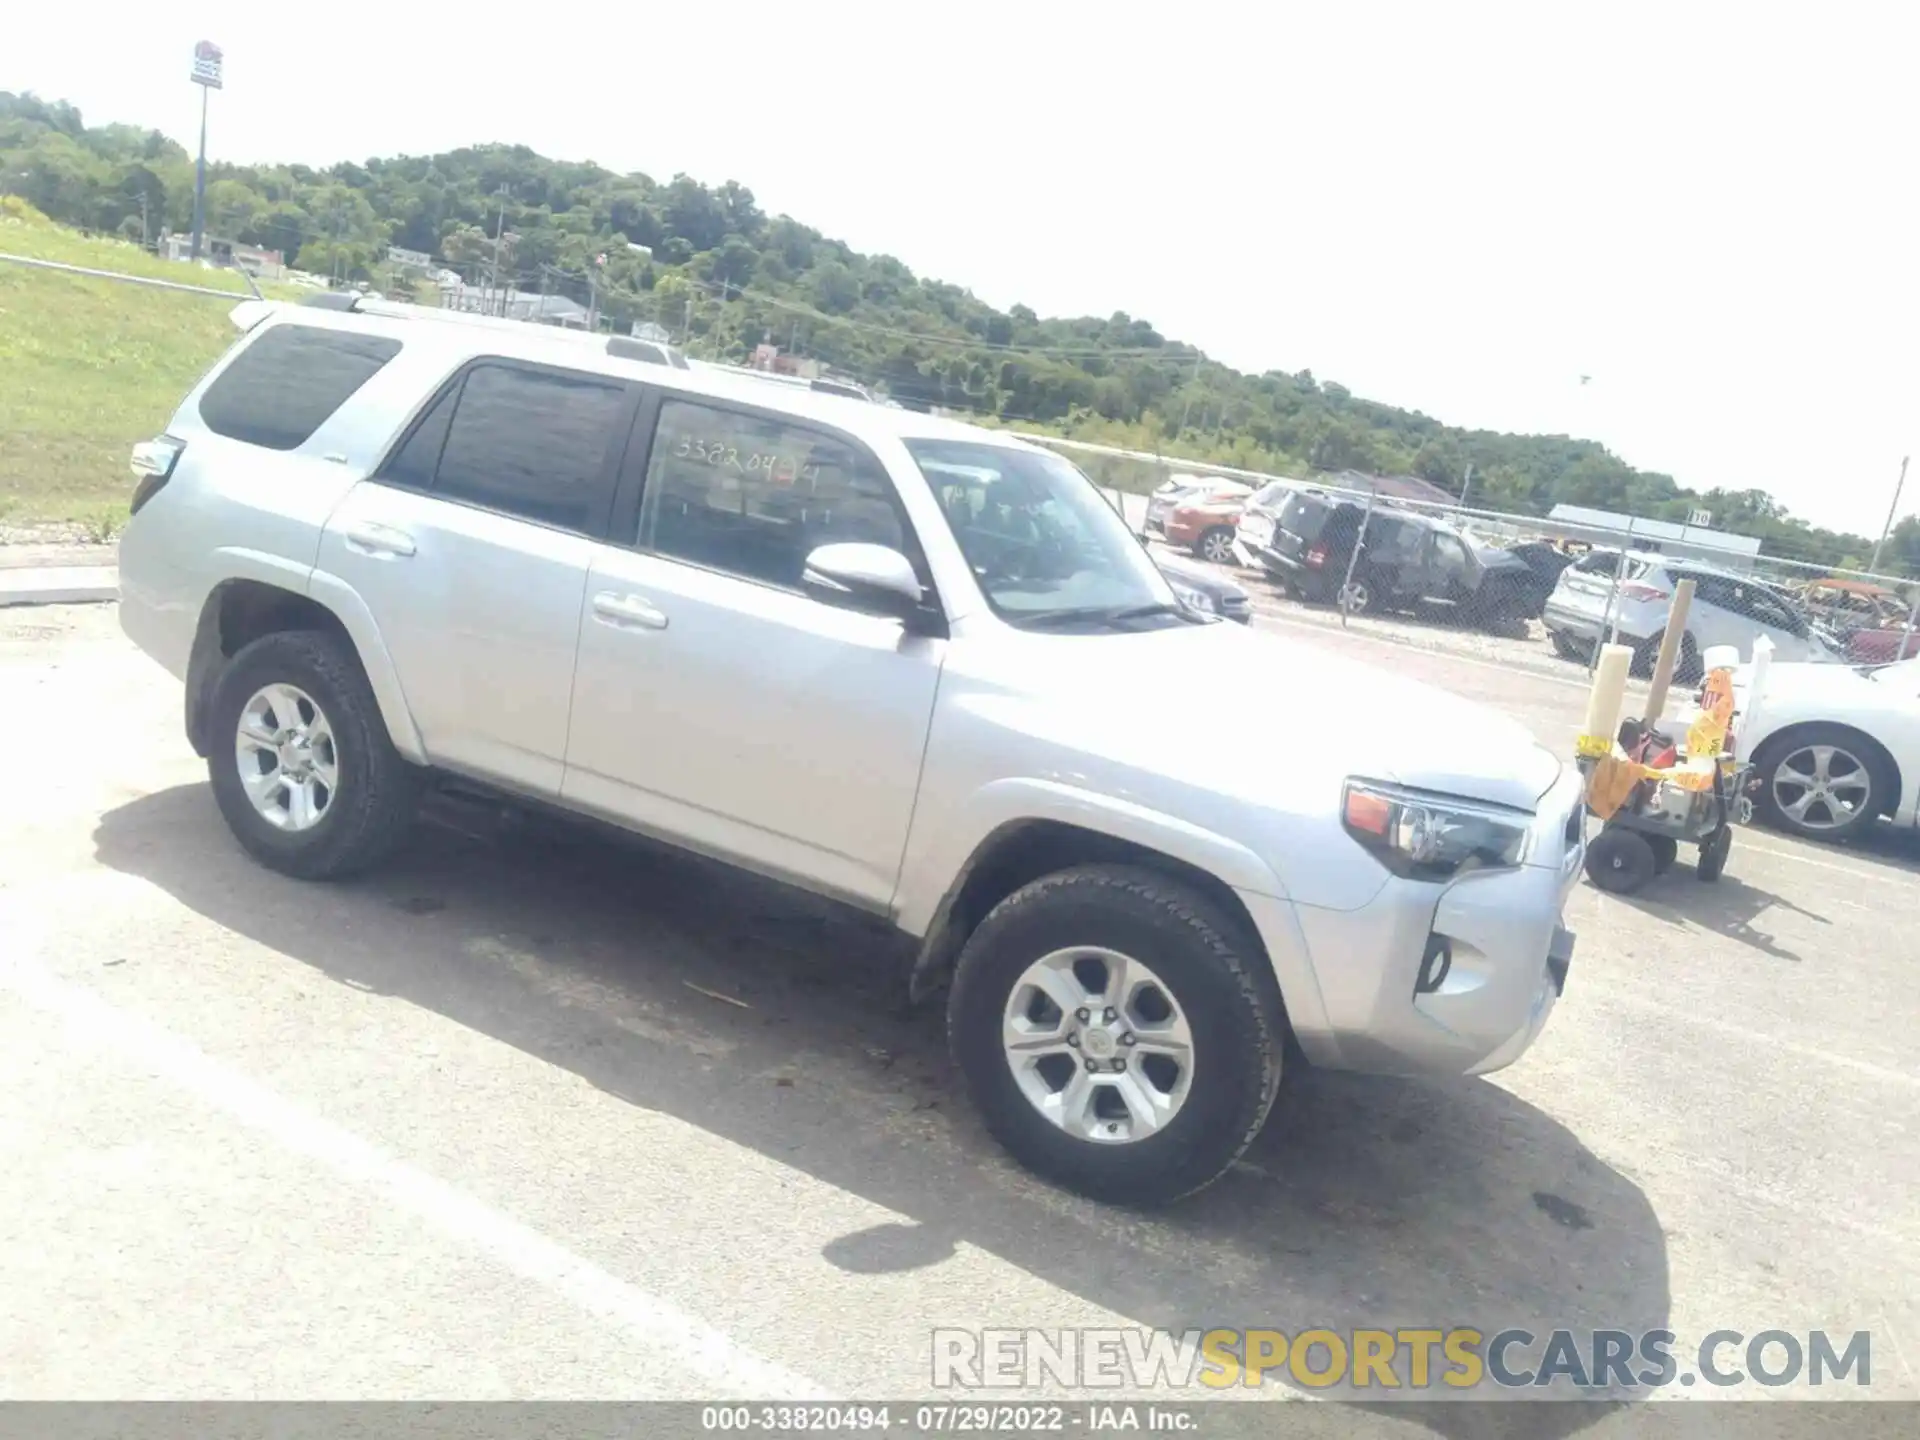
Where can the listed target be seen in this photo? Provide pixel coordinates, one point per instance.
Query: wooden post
(1669, 652)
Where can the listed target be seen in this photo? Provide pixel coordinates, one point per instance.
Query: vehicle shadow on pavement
(1729, 907)
(772, 1020)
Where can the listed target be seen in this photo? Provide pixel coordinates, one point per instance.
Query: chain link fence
(1529, 591)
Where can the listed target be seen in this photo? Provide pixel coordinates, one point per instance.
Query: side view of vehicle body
(1727, 609)
(1305, 540)
(1834, 748)
(914, 667)
(1203, 520)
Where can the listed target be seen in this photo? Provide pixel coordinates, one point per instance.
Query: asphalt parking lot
(528, 1115)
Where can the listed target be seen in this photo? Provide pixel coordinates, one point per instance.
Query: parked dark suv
(1304, 540)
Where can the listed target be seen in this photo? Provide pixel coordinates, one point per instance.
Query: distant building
(228, 254)
(515, 305)
(1658, 536)
(1392, 487)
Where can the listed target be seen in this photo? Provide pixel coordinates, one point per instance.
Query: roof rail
(621, 347)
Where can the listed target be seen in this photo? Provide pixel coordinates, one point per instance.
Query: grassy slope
(89, 366)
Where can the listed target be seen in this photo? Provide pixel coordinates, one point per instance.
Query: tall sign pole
(208, 63)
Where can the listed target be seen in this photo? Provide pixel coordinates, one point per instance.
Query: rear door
(471, 546)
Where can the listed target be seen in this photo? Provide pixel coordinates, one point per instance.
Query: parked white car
(1728, 608)
(918, 668)
(1834, 747)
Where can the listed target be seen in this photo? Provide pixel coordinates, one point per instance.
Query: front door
(719, 706)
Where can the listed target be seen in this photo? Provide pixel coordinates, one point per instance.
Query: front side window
(532, 443)
(289, 381)
(1041, 540)
(753, 496)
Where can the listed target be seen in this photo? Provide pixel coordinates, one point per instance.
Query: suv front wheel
(301, 764)
(1114, 1037)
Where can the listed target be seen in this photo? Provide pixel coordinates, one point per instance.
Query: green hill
(722, 275)
(89, 366)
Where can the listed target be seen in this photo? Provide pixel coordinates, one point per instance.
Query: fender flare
(332, 595)
(1001, 810)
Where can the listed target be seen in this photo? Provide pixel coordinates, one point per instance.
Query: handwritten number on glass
(781, 469)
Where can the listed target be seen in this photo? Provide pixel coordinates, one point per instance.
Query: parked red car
(1869, 620)
(1205, 523)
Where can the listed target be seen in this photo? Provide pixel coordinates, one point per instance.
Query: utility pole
(1892, 510)
(146, 237)
(1187, 409)
(1465, 485)
(208, 64)
(493, 270)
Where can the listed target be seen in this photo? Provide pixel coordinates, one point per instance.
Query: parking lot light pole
(208, 63)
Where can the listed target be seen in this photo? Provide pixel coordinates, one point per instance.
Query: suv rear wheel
(1114, 1036)
(301, 763)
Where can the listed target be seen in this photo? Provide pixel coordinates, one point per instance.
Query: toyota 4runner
(914, 666)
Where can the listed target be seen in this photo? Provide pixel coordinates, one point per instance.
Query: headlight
(1432, 837)
(1192, 598)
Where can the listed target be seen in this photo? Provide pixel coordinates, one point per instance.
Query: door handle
(628, 610)
(383, 540)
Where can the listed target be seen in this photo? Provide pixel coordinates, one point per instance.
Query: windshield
(1041, 540)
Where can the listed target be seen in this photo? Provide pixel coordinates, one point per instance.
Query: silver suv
(911, 665)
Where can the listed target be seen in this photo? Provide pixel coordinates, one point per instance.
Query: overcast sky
(1461, 208)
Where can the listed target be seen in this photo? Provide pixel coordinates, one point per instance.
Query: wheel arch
(1018, 852)
(238, 611)
(1776, 740)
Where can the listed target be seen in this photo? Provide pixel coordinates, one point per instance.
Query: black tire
(1220, 539)
(1232, 1008)
(1878, 767)
(1712, 859)
(1687, 666)
(378, 791)
(1665, 850)
(1568, 648)
(1620, 861)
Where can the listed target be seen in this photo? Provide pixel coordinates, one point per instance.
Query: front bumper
(1371, 997)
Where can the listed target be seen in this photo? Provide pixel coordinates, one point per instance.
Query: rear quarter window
(289, 381)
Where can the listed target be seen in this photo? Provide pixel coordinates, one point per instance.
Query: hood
(1201, 577)
(1300, 705)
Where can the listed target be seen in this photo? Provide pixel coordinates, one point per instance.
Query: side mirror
(873, 579)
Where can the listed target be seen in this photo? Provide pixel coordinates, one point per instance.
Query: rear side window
(1303, 516)
(286, 384)
(531, 443)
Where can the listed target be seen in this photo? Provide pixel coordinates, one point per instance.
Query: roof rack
(621, 347)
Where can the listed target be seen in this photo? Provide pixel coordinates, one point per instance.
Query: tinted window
(1303, 515)
(418, 457)
(283, 386)
(1390, 539)
(532, 443)
(754, 496)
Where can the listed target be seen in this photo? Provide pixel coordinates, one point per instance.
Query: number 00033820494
(770, 464)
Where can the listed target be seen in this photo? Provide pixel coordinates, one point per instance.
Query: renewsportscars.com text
(1460, 1358)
